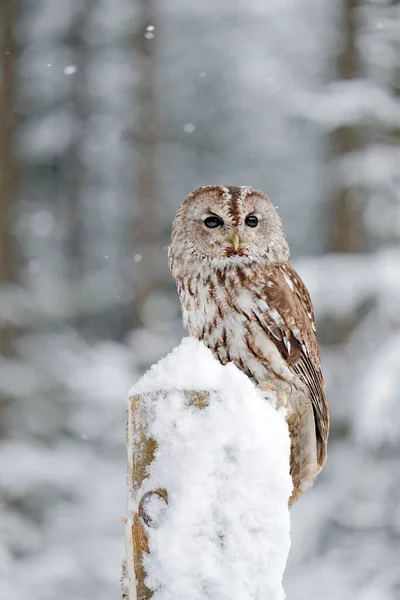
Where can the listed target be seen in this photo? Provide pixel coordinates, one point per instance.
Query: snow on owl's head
(227, 225)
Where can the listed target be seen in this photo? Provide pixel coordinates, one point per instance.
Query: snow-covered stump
(208, 484)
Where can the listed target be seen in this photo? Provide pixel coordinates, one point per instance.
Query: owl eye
(213, 222)
(251, 221)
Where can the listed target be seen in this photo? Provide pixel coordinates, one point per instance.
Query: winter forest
(111, 112)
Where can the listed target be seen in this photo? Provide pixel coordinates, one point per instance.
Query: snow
(189, 128)
(225, 533)
(339, 283)
(348, 102)
(70, 70)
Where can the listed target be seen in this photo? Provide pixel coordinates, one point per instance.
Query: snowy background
(111, 112)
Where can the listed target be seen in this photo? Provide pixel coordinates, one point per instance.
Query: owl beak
(235, 239)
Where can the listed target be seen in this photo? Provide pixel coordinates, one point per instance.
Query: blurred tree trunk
(346, 205)
(7, 165)
(74, 172)
(347, 233)
(394, 132)
(146, 230)
(73, 165)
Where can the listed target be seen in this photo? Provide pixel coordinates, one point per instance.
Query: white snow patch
(189, 128)
(70, 70)
(225, 532)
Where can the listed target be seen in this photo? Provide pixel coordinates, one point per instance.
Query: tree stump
(208, 483)
(141, 451)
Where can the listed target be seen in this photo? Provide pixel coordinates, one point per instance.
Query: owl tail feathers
(322, 448)
(299, 489)
(304, 455)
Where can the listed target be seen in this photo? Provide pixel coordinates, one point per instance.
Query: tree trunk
(141, 452)
(347, 233)
(74, 172)
(7, 167)
(73, 167)
(146, 230)
(346, 207)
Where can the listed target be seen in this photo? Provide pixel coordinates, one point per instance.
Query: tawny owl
(242, 298)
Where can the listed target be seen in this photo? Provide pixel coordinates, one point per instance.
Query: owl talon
(282, 402)
(281, 398)
(266, 387)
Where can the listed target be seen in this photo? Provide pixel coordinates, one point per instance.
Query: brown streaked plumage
(242, 298)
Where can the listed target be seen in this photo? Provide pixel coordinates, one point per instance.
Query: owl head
(225, 225)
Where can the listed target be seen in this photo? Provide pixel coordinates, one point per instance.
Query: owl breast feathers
(241, 297)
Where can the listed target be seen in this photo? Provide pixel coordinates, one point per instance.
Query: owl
(241, 297)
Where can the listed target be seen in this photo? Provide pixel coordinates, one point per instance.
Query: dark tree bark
(73, 180)
(73, 171)
(7, 166)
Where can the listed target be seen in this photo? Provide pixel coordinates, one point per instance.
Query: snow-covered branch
(208, 484)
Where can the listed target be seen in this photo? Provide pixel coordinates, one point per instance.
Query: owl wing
(286, 313)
